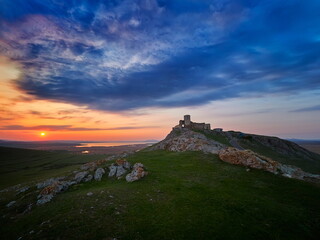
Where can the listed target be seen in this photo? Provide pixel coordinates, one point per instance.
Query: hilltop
(190, 136)
(190, 192)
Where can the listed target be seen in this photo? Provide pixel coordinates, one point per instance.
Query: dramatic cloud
(122, 55)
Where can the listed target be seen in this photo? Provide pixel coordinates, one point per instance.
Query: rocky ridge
(183, 139)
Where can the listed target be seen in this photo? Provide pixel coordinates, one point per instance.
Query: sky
(129, 70)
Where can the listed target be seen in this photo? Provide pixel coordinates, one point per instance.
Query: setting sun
(42, 134)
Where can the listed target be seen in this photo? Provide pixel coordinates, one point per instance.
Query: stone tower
(187, 120)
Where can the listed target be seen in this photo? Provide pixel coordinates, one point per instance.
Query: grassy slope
(186, 196)
(305, 164)
(216, 136)
(23, 165)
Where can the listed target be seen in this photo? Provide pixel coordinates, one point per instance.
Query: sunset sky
(129, 70)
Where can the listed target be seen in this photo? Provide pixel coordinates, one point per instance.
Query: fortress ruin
(187, 123)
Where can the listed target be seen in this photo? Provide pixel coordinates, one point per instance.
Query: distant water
(111, 144)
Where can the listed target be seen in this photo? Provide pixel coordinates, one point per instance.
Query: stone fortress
(187, 123)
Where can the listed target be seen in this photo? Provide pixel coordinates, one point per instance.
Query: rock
(137, 173)
(125, 164)
(248, 158)
(298, 173)
(98, 174)
(119, 168)
(113, 170)
(89, 194)
(44, 199)
(137, 165)
(10, 204)
(88, 178)
(49, 182)
(15, 187)
(80, 176)
(49, 192)
(120, 171)
(22, 190)
(91, 166)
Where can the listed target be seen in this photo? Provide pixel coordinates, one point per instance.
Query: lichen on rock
(137, 173)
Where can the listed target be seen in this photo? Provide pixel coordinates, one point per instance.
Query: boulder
(49, 192)
(120, 171)
(79, 177)
(248, 158)
(113, 170)
(119, 168)
(98, 174)
(137, 173)
(88, 178)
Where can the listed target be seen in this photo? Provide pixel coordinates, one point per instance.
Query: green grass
(24, 165)
(216, 136)
(307, 165)
(187, 195)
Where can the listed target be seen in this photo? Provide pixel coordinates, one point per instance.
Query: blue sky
(119, 56)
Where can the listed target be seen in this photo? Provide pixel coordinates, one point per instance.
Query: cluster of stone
(122, 167)
(119, 168)
(88, 172)
(52, 186)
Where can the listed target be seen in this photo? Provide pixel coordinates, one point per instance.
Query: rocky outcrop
(253, 160)
(98, 174)
(137, 173)
(119, 168)
(183, 139)
(248, 158)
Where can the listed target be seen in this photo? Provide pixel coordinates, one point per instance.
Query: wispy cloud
(308, 109)
(66, 128)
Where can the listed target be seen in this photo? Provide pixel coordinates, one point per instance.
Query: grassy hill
(187, 195)
(23, 165)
